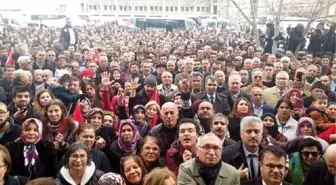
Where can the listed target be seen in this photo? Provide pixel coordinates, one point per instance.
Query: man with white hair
(25, 63)
(286, 63)
(273, 94)
(244, 155)
(47, 75)
(207, 168)
(234, 92)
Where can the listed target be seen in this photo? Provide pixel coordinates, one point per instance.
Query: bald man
(165, 132)
(323, 172)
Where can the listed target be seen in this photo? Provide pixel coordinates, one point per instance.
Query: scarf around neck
(128, 147)
(209, 175)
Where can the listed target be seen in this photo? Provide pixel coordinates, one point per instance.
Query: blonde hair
(158, 176)
(153, 103)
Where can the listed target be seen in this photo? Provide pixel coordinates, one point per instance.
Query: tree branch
(242, 12)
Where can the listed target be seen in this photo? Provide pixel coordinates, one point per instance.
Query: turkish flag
(155, 97)
(77, 115)
(10, 61)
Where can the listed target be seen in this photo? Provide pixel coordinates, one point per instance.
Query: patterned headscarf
(30, 153)
(111, 179)
(128, 147)
(143, 127)
(309, 120)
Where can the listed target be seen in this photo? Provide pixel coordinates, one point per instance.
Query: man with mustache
(20, 108)
(219, 128)
(272, 167)
(8, 130)
(244, 155)
(184, 148)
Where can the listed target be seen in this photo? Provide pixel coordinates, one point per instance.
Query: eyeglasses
(307, 154)
(207, 148)
(272, 167)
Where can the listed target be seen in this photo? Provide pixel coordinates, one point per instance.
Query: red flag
(10, 61)
(155, 97)
(96, 57)
(77, 115)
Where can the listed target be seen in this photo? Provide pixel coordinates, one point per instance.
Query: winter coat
(69, 100)
(12, 133)
(330, 41)
(295, 38)
(12, 110)
(316, 42)
(14, 180)
(91, 176)
(45, 167)
(320, 118)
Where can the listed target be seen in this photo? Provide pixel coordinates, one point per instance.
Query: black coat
(221, 102)
(8, 87)
(319, 175)
(295, 38)
(241, 94)
(12, 133)
(234, 128)
(14, 180)
(46, 167)
(12, 110)
(316, 42)
(235, 156)
(142, 98)
(115, 154)
(258, 181)
(65, 36)
(46, 66)
(330, 40)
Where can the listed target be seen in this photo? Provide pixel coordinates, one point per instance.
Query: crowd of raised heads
(109, 105)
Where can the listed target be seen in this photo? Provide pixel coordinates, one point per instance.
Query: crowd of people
(109, 105)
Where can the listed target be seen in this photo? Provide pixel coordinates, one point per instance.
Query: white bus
(163, 23)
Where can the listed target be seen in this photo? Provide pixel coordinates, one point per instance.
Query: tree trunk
(254, 12)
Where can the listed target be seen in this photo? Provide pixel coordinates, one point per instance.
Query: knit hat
(150, 80)
(86, 72)
(318, 85)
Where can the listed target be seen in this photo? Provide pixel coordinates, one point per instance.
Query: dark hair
(64, 78)
(150, 138)
(275, 150)
(42, 181)
(288, 102)
(83, 127)
(55, 102)
(6, 157)
(308, 142)
(137, 159)
(20, 89)
(319, 97)
(188, 120)
(72, 148)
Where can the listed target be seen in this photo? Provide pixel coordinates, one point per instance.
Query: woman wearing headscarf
(271, 124)
(129, 141)
(33, 157)
(111, 179)
(139, 120)
(295, 96)
(307, 127)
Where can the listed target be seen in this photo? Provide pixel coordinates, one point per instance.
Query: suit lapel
(221, 178)
(196, 175)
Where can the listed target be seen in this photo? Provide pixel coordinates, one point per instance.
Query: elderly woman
(6, 162)
(150, 153)
(78, 167)
(307, 127)
(34, 158)
(111, 179)
(132, 169)
(129, 142)
(105, 135)
(139, 117)
(287, 125)
(310, 151)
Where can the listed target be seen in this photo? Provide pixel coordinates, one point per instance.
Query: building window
(140, 8)
(208, 9)
(182, 9)
(151, 8)
(167, 8)
(95, 7)
(125, 8)
(110, 7)
(191, 9)
(90, 7)
(171, 9)
(105, 7)
(136, 8)
(198, 9)
(156, 9)
(129, 8)
(160, 8)
(175, 8)
(203, 9)
(121, 8)
(145, 8)
(114, 7)
(187, 9)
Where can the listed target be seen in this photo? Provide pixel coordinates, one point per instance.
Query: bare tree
(252, 20)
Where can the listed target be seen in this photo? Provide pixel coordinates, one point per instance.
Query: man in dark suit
(244, 155)
(69, 36)
(219, 101)
(258, 107)
(219, 128)
(7, 83)
(323, 172)
(234, 92)
(272, 167)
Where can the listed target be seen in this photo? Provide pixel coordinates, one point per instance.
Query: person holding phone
(294, 96)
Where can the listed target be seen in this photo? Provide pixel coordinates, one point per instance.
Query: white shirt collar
(264, 183)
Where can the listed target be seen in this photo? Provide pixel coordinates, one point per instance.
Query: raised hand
(105, 79)
(184, 85)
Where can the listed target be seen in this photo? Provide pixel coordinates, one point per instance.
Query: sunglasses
(307, 154)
